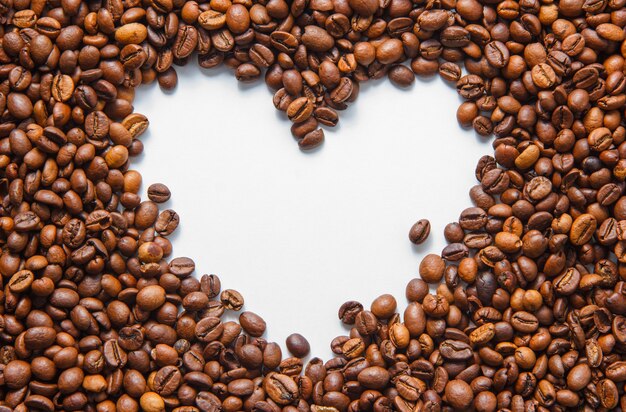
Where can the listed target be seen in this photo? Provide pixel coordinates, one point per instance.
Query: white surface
(300, 233)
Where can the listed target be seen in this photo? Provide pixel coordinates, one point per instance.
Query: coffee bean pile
(528, 305)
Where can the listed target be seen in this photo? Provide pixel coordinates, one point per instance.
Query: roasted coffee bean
(401, 76)
(497, 54)
(252, 324)
(298, 345)
(312, 140)
(419, 231)
(281, 388)
(158, 193)
(431, 268)
(300, 110)
(384, 306)
(348, 312)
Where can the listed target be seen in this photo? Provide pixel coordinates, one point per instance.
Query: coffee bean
(384, 306)
(348, 312)
(401, 76)
(151, 298)
(459, 394)
(131, 33)
(419, 231)
(364, 8)
(497, 54)
(298, 345)
(166, 223)
(21, 281)
(524, 322)
(543, 76)
(17, 374)
(209, 329)
(317, 39)
(450, 72)
(252, 323)
(312, 140)
(114, 355)
(300, 110)
(39, 337)
(431, 268)
(455, 350)
(281, 388)
(374, 377)
(232, 299)
(578, 377)
(283, 41)
(151, 402)
(582, 229)
(366, 323)
(607, 393)
(342, 92)
(326, 116)
(159, 193)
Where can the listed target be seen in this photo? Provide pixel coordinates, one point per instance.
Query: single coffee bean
(298, 345)
(419, 231)
(252, 323)
(401, 76)
(281, 388)
(348, 312)
(159, 193)
(431, 268)
(312, 140)
(384, 306)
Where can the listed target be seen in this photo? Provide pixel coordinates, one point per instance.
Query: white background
(300, 233)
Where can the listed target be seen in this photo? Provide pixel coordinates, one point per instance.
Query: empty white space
(300, 233)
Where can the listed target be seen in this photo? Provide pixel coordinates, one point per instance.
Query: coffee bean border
(528, 312)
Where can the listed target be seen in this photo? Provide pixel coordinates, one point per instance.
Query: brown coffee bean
(401, 76)
(281, 388)
(114, 355)
(366, 323)
(384, 306)
(17, 374)
(419, 231)
(167, 222)
(459, 394)
(497, 54)
(348, 312)
(578, 377)
(582, 229)
(232, 299)
(524, 322)
(21, 281)
(431, 268)
(312, 140)
(390, 51)
(543, 76)
(151, 298)
(252, 324)
(298, 345)
(317, 39)
(131, 33)
(159, 193)
(300, 110)
(40, 337)
(373, 377)
(364, 8)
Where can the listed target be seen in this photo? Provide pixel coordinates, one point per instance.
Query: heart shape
(306, 231)
(534, 312)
